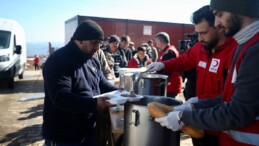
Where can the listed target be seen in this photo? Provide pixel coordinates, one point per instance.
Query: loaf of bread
(158, 110)
(192, 131)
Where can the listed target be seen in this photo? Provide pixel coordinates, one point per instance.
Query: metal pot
(130, 84)
(152, 84)
(123, 71)
(140, 129)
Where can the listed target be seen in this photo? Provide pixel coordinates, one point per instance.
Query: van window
(5, 39)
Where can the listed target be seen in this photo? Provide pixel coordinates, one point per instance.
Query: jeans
(90, 141)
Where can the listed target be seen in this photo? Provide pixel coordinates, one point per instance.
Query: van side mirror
(18, 49)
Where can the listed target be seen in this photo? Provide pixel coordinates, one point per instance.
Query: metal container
(130, 83)
(123, 71)
(140, 129)
(152, 84)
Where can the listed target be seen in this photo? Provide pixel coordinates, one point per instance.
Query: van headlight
(4, 58)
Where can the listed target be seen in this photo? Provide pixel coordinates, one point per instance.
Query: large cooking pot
(130, 83)
(140, 129)
(152, 84)
(123, 71)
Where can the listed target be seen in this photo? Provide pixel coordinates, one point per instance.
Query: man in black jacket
(72, 77)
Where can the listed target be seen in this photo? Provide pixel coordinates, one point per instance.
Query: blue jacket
(71, 79)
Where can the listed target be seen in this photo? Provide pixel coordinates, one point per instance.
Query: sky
(44, 20)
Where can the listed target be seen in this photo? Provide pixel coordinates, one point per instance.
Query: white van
(12, 51)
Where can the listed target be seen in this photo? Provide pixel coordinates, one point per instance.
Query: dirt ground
(20, 121)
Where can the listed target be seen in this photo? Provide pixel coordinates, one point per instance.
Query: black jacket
(71, 80)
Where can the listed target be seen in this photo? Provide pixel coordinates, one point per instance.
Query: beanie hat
(88, 30)
(114, 38)
(243, 7)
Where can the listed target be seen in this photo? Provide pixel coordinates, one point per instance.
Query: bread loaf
(158, 110)
(192, 131)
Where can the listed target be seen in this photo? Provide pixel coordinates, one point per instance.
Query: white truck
(12, 51)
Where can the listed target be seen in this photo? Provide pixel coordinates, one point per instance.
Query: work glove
(183, 107)
(191, 100)
(155, 66)
(186, 105)
(171, 121)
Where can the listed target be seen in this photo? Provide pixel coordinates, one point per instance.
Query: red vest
(175, 80)
(245, 136)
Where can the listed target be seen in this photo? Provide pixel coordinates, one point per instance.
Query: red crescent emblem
(216, 63)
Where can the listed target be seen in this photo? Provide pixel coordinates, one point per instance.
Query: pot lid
(127, 70)
(149, 75)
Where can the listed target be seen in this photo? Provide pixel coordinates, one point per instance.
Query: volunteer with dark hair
(236, 112)
(71, 78)
(211, 58)
(167, 52)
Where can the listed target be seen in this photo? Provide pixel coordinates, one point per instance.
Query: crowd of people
(222, 100)
(121, 53)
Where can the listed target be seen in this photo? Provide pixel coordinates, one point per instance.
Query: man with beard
(236, 111)
(72, 77)
(211, 58)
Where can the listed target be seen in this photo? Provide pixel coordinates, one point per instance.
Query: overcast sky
(44, 20)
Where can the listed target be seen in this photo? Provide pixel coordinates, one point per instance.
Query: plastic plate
(118, 100)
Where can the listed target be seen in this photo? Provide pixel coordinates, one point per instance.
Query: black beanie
(243, 7)
(88, 30)
(114, 38)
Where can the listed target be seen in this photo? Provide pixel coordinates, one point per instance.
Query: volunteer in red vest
(236, 112)
(211, 58)
(167, 52)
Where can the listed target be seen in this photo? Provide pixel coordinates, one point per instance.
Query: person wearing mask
(140, 59)
(168, 52)
(236, 111)
(72, 77)
(211, 58)
(115, 57)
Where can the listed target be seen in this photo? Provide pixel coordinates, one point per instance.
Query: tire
(20, 76)
(11, 83)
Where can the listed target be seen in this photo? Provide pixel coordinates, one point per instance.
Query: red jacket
(247, 135)
(36, 60)
(175, 80)
(135, 62)
(211, 68)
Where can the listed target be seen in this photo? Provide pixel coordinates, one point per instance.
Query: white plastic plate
(118, 99)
